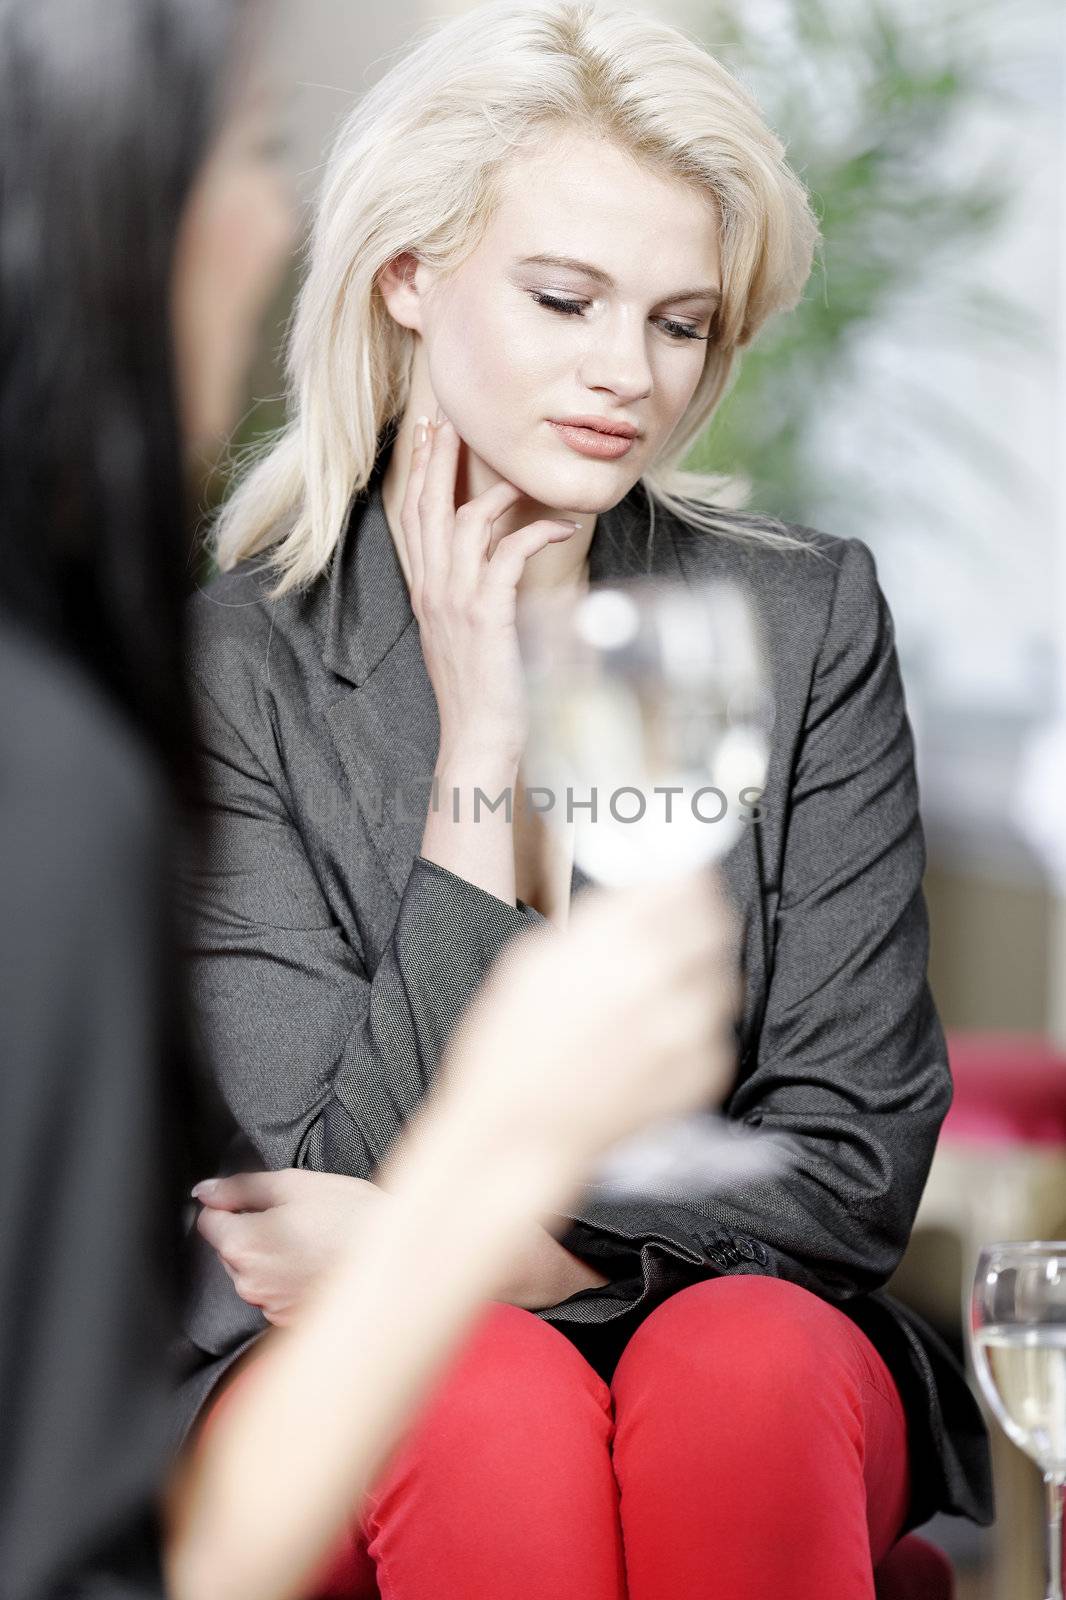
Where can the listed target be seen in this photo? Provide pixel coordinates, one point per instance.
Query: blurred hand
(278, 1233)
(581, 1036)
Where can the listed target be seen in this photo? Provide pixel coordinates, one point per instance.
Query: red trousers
(751, 1445)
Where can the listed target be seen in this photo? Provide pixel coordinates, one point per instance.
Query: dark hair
(107, 113)
(107, 109)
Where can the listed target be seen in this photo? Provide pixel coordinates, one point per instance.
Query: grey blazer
(331, 962)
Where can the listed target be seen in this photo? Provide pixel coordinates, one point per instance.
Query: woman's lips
(590, 442)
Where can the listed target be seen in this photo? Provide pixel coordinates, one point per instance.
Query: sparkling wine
(1018, 1343)
(1027, 1387)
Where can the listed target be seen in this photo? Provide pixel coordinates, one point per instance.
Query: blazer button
(746, 1248)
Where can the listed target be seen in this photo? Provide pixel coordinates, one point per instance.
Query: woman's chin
(574, 486)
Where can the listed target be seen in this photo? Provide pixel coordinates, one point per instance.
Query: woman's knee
(746, 1397)
(512, 1454)
(516, 1380)
(748, 1344)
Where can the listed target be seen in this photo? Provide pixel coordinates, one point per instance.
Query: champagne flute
(1018, 1342)
(650, 718)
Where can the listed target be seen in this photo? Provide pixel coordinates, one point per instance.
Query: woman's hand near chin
(464, 594)
(279, 1234)
(464, 586)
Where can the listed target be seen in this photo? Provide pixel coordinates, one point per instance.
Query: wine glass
(650, 718)
(1018, 1342)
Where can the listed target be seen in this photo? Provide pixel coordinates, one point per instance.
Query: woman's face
(505, 360)
(235, 240)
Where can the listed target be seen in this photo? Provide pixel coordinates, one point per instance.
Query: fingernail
(205, 1187)
(440, 415)
(421, 432)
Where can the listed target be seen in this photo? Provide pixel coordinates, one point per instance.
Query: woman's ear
(402, 294)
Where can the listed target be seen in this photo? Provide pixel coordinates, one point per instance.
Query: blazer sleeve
(849, 1068)
(320, 1060)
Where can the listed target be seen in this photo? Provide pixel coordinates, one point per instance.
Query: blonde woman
(541, 243)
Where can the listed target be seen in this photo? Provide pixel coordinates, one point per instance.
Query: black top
(84, 1006)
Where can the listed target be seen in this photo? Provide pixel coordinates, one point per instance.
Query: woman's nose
(617, 359)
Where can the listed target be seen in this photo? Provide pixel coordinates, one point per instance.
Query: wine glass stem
(1053, 1484)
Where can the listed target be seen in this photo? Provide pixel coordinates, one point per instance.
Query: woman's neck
(564, 565)
(559, 566)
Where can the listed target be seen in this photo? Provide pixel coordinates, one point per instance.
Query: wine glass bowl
(650, 716)
(1018, 1344)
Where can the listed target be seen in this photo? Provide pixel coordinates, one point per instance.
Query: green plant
(865, 103)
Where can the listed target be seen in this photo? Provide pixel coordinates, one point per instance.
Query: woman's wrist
(473, 764)
(469, 825)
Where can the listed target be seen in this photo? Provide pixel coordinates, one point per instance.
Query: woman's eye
(683, 330)
(569, 308)
(574, 308)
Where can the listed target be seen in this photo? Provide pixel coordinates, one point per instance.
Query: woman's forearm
(469, 827)
(322, 1406)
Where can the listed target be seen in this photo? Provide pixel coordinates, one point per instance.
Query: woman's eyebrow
(704, 292)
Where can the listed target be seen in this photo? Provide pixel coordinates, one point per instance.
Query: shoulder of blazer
(238, 636)
(237, 605)
(794, 588)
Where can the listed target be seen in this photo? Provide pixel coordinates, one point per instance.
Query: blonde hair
(416, 166)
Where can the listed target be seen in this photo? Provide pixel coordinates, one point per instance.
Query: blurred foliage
(866, 100)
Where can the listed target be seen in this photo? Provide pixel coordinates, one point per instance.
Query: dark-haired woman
(117, 189)
(143, 220)
(109, 167)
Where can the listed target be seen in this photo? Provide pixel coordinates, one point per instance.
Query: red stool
(1010, 1089)
(914, 1569)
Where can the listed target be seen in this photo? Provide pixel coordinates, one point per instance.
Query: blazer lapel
(387, 728)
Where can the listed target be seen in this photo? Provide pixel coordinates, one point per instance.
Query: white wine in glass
(650, 719)
(1018, 1342)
